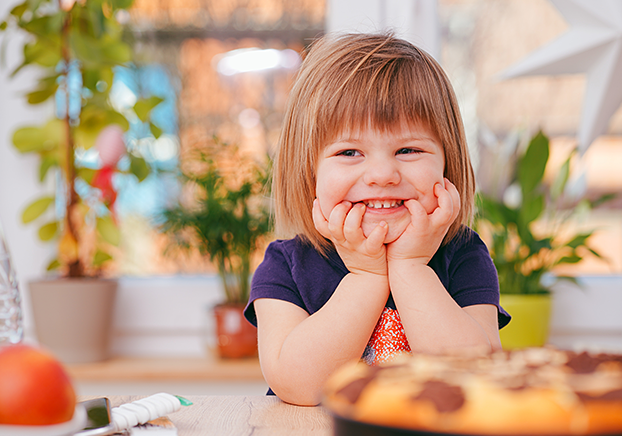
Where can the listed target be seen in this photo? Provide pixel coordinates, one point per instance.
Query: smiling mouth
(383, 204)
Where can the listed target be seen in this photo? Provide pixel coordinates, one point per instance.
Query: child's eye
(408, 151)
(349, 153)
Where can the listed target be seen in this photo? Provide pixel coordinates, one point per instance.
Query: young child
(373, 176)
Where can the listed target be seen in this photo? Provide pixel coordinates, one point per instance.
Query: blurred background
(224, 67)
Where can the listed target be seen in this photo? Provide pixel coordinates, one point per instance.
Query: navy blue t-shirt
(292, 270)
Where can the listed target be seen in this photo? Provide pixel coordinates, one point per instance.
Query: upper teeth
(386, 204)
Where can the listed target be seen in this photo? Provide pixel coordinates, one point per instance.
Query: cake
(534, 391)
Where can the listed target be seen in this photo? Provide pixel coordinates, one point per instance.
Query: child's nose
(382, 174)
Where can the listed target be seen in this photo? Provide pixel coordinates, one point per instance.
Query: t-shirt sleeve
(273, 279)
(473, 277)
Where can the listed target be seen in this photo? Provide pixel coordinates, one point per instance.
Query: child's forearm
(433, 321)
(297, 359)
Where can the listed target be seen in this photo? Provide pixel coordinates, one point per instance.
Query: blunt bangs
(394, 86)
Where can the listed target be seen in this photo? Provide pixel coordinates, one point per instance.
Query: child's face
(381, 170)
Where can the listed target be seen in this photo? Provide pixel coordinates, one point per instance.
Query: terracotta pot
(73, 317)
(531, 316)
(236, 337)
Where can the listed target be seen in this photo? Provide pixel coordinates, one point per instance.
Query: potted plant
(76, 45)
(526, 230)
(227, 219)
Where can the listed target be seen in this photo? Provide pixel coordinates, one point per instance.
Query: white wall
(18, 174)
(588, 316)
(165, 316)
(414, 20)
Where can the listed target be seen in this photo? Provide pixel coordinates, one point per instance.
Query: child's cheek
(430, 202)
(325, 207)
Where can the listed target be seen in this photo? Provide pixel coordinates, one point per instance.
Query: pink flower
(66, 5)
(110, 145)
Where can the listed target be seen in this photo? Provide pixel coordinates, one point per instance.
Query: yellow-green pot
(529, 327)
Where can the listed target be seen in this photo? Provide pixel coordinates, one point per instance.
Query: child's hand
(343, 228)
(426, 231)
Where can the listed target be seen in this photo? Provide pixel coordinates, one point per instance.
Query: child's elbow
(294, 386)
(299, 396)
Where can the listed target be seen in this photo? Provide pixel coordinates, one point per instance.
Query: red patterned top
(387, 340)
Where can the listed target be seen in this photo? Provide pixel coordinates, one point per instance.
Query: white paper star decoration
(592, 45)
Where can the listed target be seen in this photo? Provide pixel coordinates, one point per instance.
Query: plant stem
(224, 277)
(245, 272)
(76, 269)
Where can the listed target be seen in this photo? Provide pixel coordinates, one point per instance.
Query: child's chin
(395, 230)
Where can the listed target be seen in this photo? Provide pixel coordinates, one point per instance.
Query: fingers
(376, 238)
(444, 215)
(343, 223)
(455, 195)
(336, 220)
(448, 203)
(416, 210)
(320, 222)
(352, 225)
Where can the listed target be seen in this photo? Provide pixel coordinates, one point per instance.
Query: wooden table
(133, 369)
(242, 415)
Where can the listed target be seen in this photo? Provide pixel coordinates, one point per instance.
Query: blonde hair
(359, 81)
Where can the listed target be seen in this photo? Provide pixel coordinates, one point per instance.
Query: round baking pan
(349, 427)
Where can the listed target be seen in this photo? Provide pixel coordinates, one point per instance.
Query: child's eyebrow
(421, 138)
(346, 139)
(400, 140)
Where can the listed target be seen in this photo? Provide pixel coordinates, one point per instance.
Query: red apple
(34, 387)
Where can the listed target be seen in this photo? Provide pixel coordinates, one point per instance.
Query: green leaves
(121, 4)
(35, 209)
(117, 52)
(97, 79)
(530, 174)
(108, 230)
(48, 231)
(229, 217)
(19, 10)
(532, 208)
(94, 119)
(571, 259)
(38, 139)
(41, 95)
(48, 160)
(44, 25)
(139, 167)
(53, 265)
(579, 240)
(45, 53)
(101, 257)
(521, 251)
(532, 165)
(155, 130)
(28, 139)
(87, 174)
(94, 52)
(561, 179)
(143, 107)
